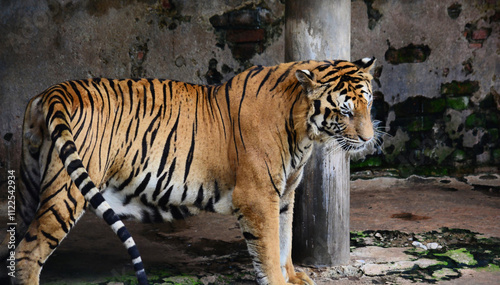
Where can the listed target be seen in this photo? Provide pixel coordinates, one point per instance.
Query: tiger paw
(301, 278)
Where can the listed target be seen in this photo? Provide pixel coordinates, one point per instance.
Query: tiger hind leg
(61, 206)
(27, 197)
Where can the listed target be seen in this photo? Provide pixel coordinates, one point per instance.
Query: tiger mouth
(350, 145)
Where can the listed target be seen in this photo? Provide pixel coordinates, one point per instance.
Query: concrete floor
(209, 248)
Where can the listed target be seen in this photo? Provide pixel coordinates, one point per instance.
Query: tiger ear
(365, 64)
(307, 79)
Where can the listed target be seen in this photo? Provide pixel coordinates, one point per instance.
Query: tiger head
(340, 99)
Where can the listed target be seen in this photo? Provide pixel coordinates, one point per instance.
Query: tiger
(158, 150)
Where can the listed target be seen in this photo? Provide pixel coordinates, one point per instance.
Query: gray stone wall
(436, 83)
(46, 42)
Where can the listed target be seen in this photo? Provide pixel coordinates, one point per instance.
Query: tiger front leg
(258, 214)
(286, 219)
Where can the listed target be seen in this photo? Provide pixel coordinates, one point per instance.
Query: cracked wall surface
(436, 84)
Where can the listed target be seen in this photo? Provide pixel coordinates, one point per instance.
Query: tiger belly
(173, 202)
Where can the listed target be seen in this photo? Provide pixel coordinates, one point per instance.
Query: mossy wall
(436, 85)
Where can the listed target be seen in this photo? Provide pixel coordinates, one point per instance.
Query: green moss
(409, 54)
(182, 280)
(461, 256)
(368, 162)
(459, 88)
(419, 105)
(434, 105)
(458, 155)
(492, 119)
(489, 268)
(415, 143)
(494, 134)
(458, 103)
(475, 121)
(445, 274)
(496, 155)
(422, 123)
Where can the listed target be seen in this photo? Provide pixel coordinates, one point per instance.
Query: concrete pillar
(320, 29)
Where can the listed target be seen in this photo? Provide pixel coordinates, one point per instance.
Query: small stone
(206, 280)
(419, 244)
(378, 235)
(433, 245)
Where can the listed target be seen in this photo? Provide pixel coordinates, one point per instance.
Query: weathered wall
(49, 41)
(437, 82)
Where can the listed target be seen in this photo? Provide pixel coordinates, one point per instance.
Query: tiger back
(159, 150)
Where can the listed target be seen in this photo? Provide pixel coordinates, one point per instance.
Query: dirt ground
(403, 231)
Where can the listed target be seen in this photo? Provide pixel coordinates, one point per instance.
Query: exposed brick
(245, 36)
(481, 34)
(245, 51)
(475, 45)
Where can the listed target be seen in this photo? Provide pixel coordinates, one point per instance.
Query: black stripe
(190, 156)
(57, 132)
(152, 91)
(284, 209)
(64, 227)
(134, 252)
(272, 181)
(263, 81)
(158, 187)
(64, 187)
(80, 179)
(249, 236)
(87, 188)
(165, 198)
(243, 93)
(145, 92)
(171, 170)
(52, 238)
(30, 238)
(127, 181)
(143, 185)
(123, 234)
(282, 77)
(199, 198)
(66, 150)
(144, 139)
(70, 211)
(96, 200)
(216, 192)
(166, 149)
(184, 193)
(110, 217)
(178, 212)
(226, 89)
(73, 166)
(220, 113)
(130, 95)
(209, 207)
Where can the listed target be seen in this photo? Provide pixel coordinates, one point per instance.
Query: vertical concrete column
(321, 29)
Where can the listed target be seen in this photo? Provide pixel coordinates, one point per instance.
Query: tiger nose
(365, 138)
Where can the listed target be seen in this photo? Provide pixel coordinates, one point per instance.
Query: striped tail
(62, 137)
